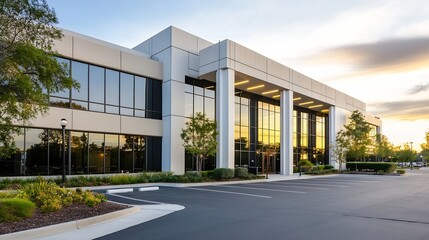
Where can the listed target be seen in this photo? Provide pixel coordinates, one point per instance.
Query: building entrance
(270, 161)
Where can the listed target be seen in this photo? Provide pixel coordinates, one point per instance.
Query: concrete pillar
(173, 152)
(286, 132)
(332, 135)
(225, 118)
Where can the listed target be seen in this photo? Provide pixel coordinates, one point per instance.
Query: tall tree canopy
(28, 68)
(199, 138)
(355, 136)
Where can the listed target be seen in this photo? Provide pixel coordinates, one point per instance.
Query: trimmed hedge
(241, 172)
(327, 167)
(371, 166)
(223, 173)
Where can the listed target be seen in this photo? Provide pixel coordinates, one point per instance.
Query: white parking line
(218, 191)
(136, 199)
(329, 182)
(262, 189)
(314, 184)
(287, 186)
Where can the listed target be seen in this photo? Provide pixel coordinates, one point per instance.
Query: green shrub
(386, 167)
(400, 171)
(295, 169)
(223, 173)
(49, 197)
(15, 209)
(207, 174)
(325, 172)
(241, 172)
(318, 168)
(8, 194)
(327, 167)
(305, 165)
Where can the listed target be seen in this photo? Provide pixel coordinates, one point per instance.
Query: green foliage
(354, 138)
(243, 173)
(383, 148)
(15, 209)
(28, 68)
(223, 173)
(305, 165)
(386, 167)
(323, 172)
(49, 197)
(199, 138)
(406, 154)
(327, 167)
(400, 171)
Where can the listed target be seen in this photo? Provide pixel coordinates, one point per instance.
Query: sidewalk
(116, 221)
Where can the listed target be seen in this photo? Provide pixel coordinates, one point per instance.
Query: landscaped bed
(66, 214)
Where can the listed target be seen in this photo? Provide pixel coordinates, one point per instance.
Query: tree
(383, 148)
(199, 138)
(339, 149)
(405, 154)
(355, 136)
(425, 147)
(28, 68)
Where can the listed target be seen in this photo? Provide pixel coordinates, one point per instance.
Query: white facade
(173, 54)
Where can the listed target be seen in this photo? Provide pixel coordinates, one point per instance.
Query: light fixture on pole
(63, 155)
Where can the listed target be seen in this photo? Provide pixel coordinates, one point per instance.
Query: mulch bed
(66, 214)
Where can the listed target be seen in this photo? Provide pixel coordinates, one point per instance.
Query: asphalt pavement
(334, 207)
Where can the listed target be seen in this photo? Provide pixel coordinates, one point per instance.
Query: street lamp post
(63, 156)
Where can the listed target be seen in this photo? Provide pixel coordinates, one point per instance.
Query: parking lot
(334, 207)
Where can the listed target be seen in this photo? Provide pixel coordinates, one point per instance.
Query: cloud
(419, 88)
(401, 110)
(390, 55)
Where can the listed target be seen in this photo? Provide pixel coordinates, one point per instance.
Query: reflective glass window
(36, 143)
(209, 108)
(112, 87)
(96, 84)
(244, 115)
(189, 103)
(96, 153)
(126, 153)
(79, 152)
(80, 74)
(55, 157)
(198, 104)
(127, 90)
(139, 154)
(140, 93)
(66, 92)
(111, 153)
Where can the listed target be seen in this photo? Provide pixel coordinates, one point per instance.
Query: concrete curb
(68, 226)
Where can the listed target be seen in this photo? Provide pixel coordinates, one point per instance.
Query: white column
(225, 118)
(286, 132)
(332, 135)
(173, 102)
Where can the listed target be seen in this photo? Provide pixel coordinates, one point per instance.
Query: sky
(375, 50)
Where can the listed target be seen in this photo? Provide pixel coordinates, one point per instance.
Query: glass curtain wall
(309, 136)
(38, 152)
(110, 91)
(200, 96)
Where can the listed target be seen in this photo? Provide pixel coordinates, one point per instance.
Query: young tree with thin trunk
(199, 138)
(28, 68)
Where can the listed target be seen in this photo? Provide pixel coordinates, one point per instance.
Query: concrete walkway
(107, 224)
